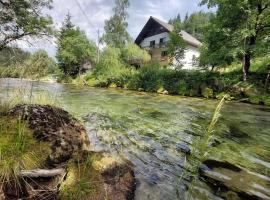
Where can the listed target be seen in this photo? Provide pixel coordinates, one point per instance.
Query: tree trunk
(246, 65)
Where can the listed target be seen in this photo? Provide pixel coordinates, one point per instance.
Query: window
(162, 40)
(152, 43)
(164, 53)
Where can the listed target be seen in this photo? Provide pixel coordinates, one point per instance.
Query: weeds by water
(200, 149)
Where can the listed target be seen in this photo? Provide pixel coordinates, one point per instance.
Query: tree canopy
(244, 25)
(116, 34)
(176, 45)
(22, 19)
(74, 49)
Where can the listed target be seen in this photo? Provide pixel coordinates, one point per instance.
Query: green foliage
(241, 28)
(147, 78)
(34, 66)
(196, 23)
(12, 55)
(110, 69)
(133, 54)
(116, 34)
(21, 19)
(207, 92)
(38, 65)
(74, 49)
(176, 45)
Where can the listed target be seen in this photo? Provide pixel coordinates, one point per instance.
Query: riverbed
(155, 132)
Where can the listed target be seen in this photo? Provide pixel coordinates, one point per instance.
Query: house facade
(155, 36)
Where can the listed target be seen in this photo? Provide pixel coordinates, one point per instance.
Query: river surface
(151, 131)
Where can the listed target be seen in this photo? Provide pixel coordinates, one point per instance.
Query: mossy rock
(100, 177)
(160, 90)
(207, 92)
(112, 85)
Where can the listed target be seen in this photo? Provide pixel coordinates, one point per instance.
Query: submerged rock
(183, 147)
(227, 179)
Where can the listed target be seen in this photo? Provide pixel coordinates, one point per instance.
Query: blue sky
(98, 11)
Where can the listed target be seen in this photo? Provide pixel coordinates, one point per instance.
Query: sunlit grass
(18, 149)
(200, 149)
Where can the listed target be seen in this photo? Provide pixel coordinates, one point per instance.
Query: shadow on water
(156, 133)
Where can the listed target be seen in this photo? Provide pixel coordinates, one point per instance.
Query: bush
(147, 78)
(110, 69)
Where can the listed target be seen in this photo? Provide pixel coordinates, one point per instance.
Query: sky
(97, 11)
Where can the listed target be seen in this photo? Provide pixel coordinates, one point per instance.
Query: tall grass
(200, 149)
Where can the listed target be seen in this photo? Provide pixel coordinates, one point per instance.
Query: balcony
(156, 46)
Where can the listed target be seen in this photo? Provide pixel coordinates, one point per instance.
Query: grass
(79, 181)
(200, 150)
(18, 150)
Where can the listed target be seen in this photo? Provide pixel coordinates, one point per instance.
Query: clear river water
(154, 132)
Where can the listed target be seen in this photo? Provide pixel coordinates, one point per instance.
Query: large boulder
(65, 134)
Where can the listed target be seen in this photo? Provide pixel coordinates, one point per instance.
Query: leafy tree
(176, 45)
(38, 65)
(74, 49)
(214, 52)
(196, 23)
(110, 69)
(133, 54)
(116, 34)
(22, 18)
(245, 23)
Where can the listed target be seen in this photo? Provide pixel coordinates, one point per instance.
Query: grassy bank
(203, 83)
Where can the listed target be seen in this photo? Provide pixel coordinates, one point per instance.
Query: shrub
(110, 69)
(147, 78)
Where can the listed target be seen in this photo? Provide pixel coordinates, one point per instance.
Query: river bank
(45, 154)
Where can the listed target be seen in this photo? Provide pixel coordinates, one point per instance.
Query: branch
(41, 173)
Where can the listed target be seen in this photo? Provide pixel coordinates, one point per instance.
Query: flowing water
(155, 132)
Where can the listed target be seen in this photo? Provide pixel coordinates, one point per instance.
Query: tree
(214, 51)
(177, 19)
(245, 23)
(74, 49)
(22, 19)
(176, 45)
(116, 34)
(195, 23)
(38, 65)
(134, 55)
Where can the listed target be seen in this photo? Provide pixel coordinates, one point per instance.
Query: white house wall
(189, 53)
(146, 41)
(188, 58)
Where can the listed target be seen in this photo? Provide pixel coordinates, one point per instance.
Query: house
(155, 36)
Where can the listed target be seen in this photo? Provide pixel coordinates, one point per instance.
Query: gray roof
(186, 36)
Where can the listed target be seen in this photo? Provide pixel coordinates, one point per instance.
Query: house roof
(147, 29)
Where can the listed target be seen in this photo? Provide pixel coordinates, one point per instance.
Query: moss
(207, 92)
(266, 100)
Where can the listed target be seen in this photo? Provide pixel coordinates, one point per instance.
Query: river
(151, 131)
